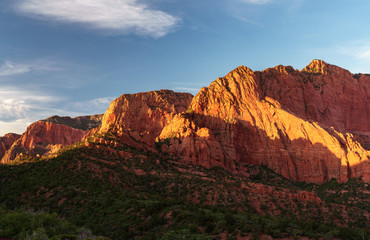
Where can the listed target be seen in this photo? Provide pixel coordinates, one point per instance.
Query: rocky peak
(236, 88)
(317, 66)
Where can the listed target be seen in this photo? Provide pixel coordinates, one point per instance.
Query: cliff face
(298, 123)
(42, 138)
(321, 92)
(143, 115)
(6, 142)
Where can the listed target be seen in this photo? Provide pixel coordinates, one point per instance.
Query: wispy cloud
(17, 126)
(260, 2)
(9, 68)
(352, 55)
(186, 89)
(20, 107)
(190, 87)
(93, 106)
(361, 52)
(117, 16)
(28, 95)
(17, 103)
(17, 113)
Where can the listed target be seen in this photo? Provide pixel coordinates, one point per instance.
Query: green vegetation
(144, 195)
(354, 192)
(29, 225)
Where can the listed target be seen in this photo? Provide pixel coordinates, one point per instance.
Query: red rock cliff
(145, 114)
(6, 142)
(321, 92)
(298, 123)
(43, 138)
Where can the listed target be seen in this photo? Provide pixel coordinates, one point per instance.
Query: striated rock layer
(302, 124)
(42, 138)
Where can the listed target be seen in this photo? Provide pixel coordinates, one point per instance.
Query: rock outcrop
(42, 138)
(81, 122)
(299, 123)
(7, 141)
(142, 116)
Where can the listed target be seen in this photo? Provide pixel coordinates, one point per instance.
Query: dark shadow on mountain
(299, 92)
(240, 143)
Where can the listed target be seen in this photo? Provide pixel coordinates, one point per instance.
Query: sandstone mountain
(142, 116)
(7, 141)
(309, 125)
(163, 164)
(42, 138)
(302, 124)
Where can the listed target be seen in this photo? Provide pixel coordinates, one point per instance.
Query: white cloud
(118, 16)
(186, 89)
(17, 126)
(17, 104)
(13, 109)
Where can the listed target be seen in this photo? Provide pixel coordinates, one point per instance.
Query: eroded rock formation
(298, 123)
(7, 141)
(142, 116)
(42, 138)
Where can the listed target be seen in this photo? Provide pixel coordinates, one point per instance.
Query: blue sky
(72, 57)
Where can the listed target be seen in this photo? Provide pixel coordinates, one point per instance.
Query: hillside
(124, 192)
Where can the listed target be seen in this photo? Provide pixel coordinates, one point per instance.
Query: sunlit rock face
(144, 115)
(305, 125)
(7, 141)
(42, 138)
